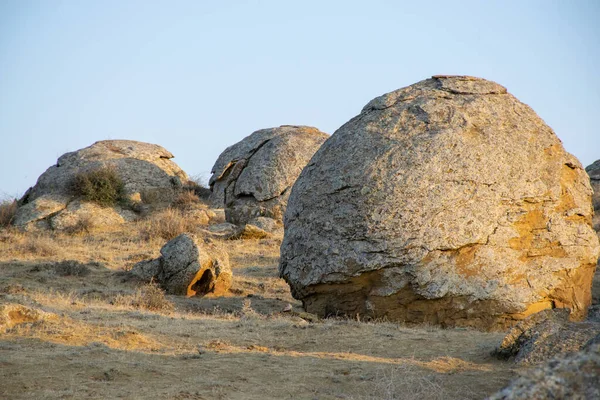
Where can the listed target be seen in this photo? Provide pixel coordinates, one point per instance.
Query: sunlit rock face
(446, 202)
(142, 167)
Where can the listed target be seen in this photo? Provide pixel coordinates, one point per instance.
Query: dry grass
(8, 210)
(71, 268)
(185, 199)
(148, 297)
(84, 225)
(406, 382)
(105, 337)
(166, 224)
(34, 323)
(37, 246)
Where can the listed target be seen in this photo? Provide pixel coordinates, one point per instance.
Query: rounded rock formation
(188, 268)
(142, 167)
(446, 202)
(252, 178)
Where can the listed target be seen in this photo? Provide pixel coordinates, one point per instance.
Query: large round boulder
(141, 167)
(446, 202)
(252, 178)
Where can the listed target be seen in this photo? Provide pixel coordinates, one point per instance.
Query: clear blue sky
(198, 76)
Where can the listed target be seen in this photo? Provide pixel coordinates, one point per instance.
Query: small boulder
(253, 177)
(249, 231)
(267, 224)
(546, 335)
(40, 208)
(186, 267)
(223, 230)
(569, 377)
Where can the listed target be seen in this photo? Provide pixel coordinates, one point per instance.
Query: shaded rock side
(141, 166)
(593, 171)
(546, 335)
(186, 267)
(446, 202)
(570, 377)
(252, 178)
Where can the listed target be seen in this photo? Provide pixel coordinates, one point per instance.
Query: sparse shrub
(186, 198)
(102, 186)
(147, 297)
(198, 185)
(83, 225)
(150, 196)
(71, 268)
(166, 224)
(8, 209)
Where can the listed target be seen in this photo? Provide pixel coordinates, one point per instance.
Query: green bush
(102, 186)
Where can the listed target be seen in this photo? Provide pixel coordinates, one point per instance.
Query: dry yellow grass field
(73, 326)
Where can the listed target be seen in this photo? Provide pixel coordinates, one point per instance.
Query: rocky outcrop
(142, 167)
(546, 335)
(446, 202)
(570, 377)
(186, 267)
(252, 178)
(593, 171)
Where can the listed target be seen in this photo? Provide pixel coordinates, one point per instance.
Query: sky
(198, 76)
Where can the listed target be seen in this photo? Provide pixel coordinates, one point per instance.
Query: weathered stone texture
(186, 267)
(252, 178)
(593, 171)
(573, 376)
(143, 167)
(447, 202)
(546, 335)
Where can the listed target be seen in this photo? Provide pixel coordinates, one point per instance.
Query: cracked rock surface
(574, 376)
(187, 267)
(252, 178)
(447, 202)
(141, 166)
(593, 171)
(546, 335)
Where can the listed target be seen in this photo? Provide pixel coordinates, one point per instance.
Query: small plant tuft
(167, 225)
(8, 209)
(186, 199)
(147, 297)
(71, 268)
(102, 186)
(199, 186)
